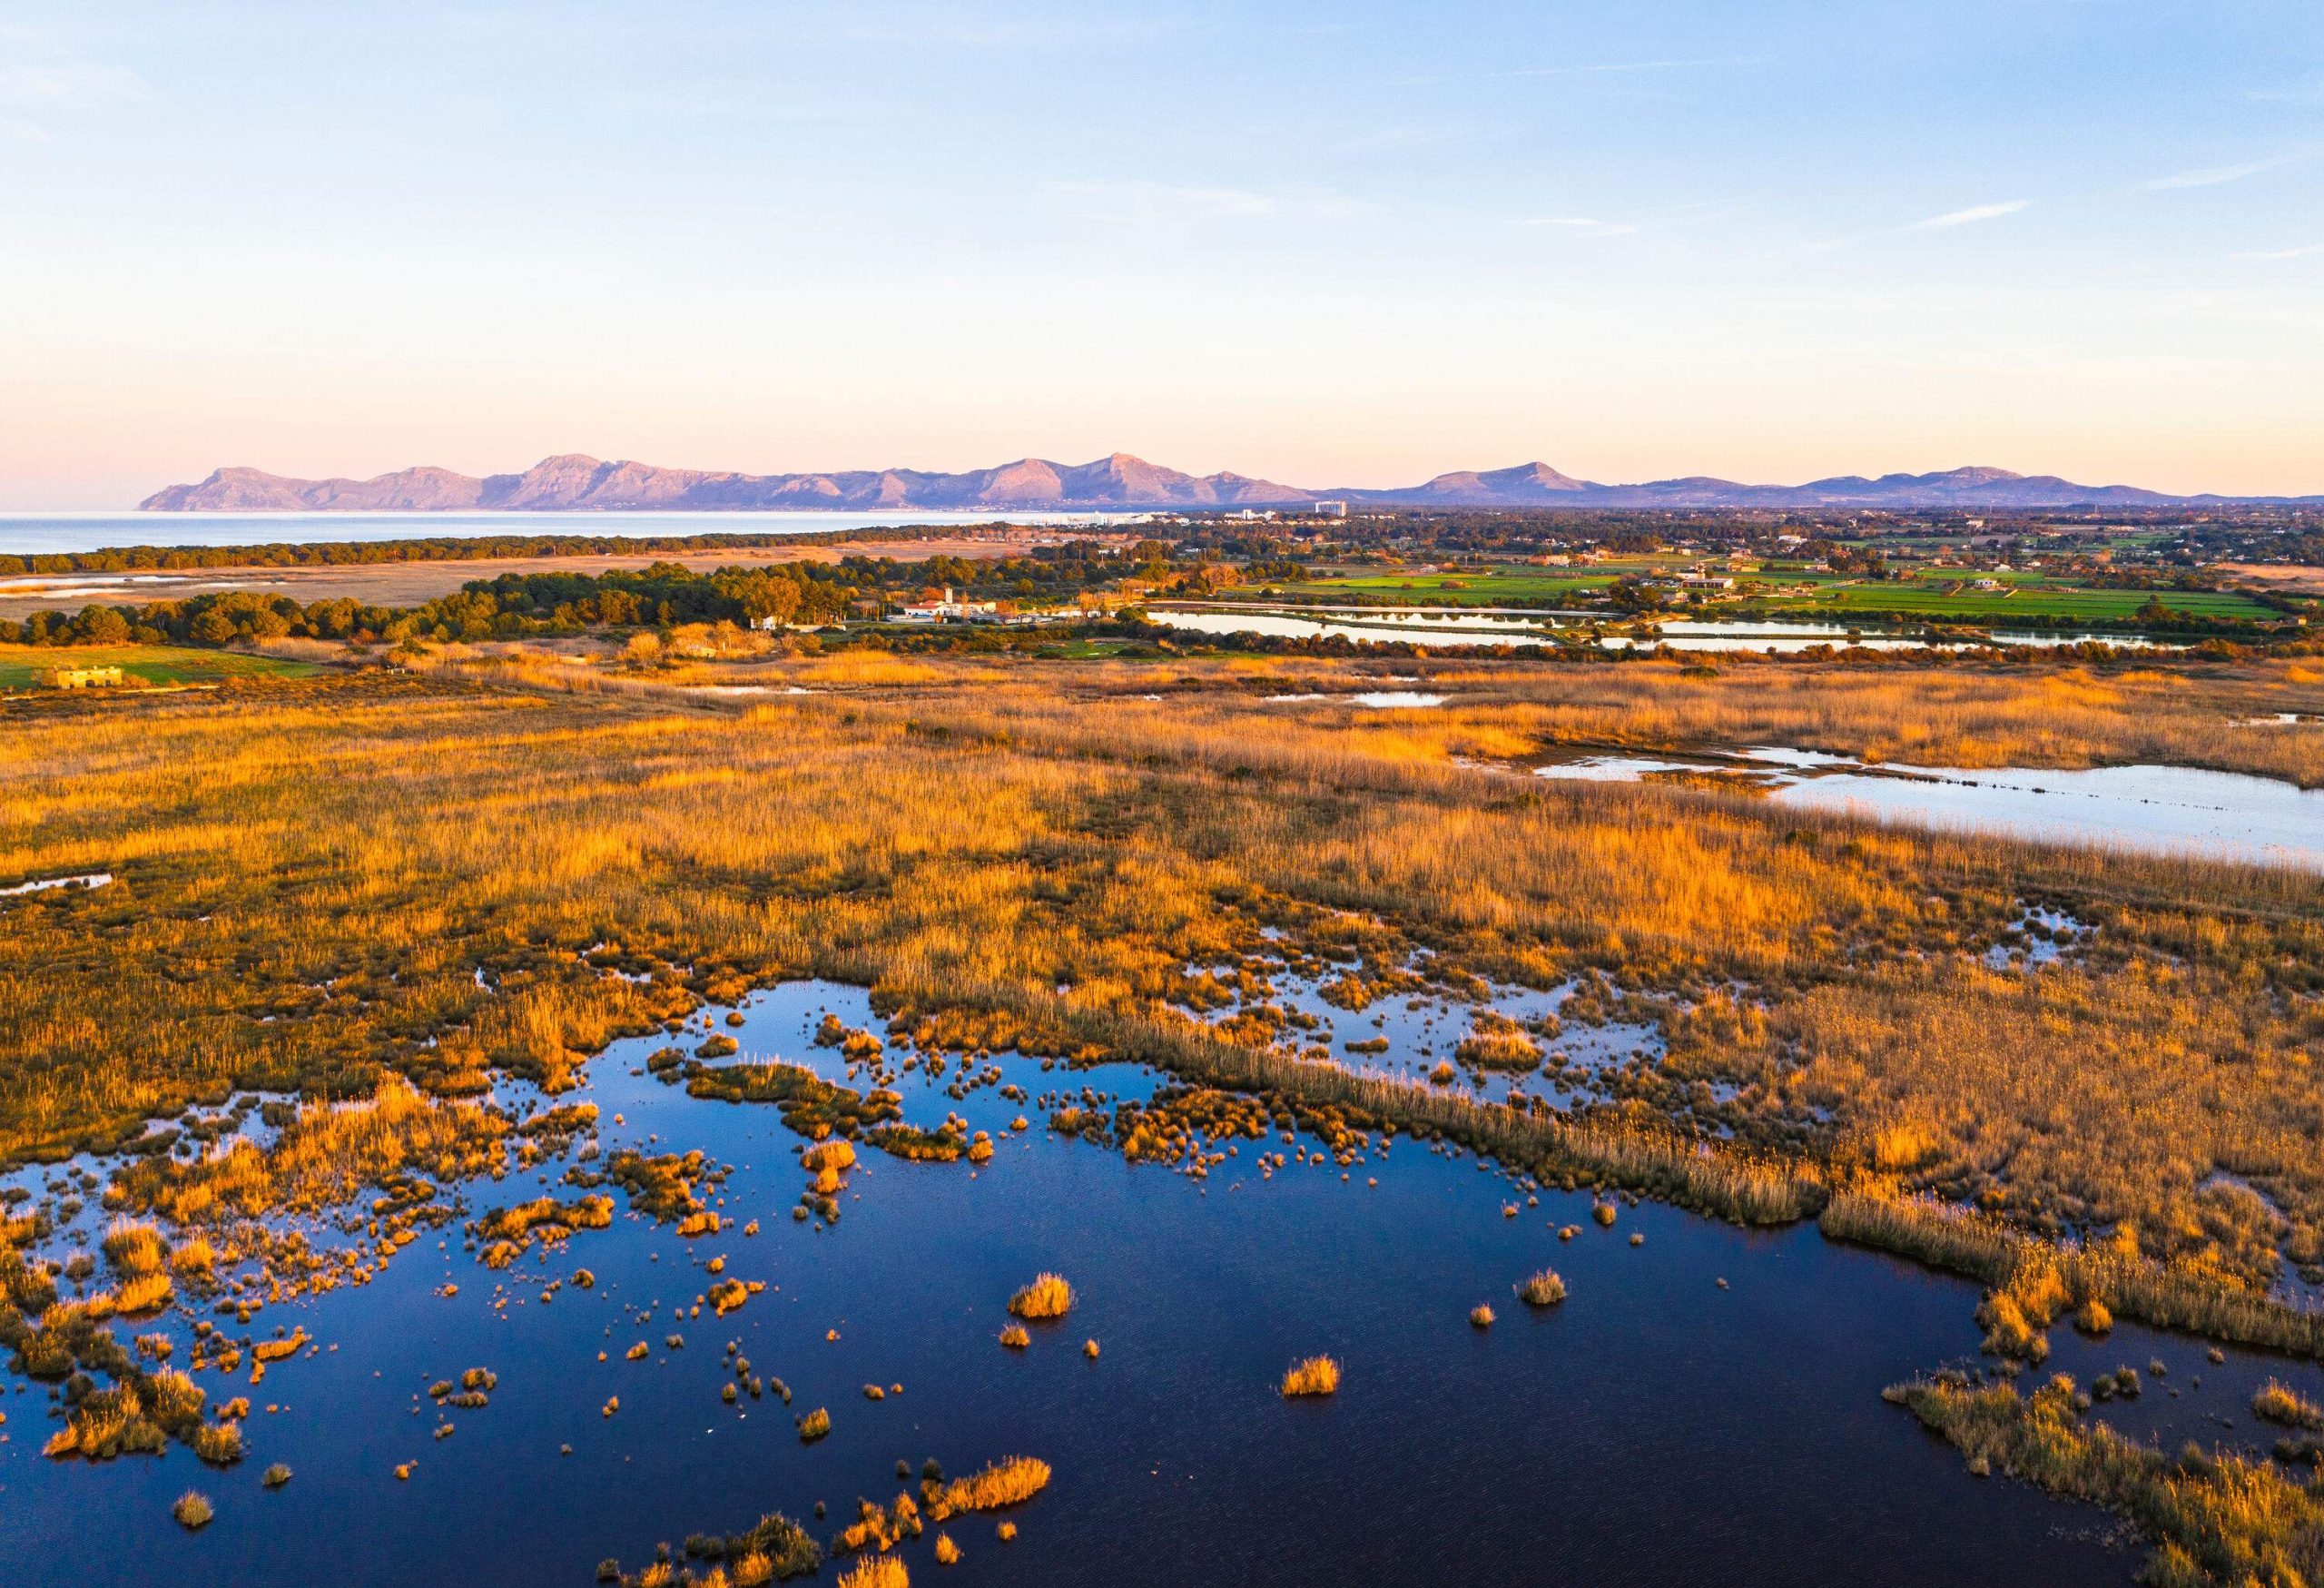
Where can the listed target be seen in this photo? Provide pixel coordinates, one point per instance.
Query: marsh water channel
(1450, 627)
(1655, 1427)
(2164, 810)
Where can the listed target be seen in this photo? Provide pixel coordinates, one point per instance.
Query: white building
(948, 610)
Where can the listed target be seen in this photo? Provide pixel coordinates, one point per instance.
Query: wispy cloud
(2217, 176)
(1971, 216)
(1975, 215)
(942, 30)
(713, 107)
(1585, 69)
(1583, 225)
(1617, 68)
(1155, 200)
(1167, 207)
(2306, 251)
(1391, 140)
(60, 83)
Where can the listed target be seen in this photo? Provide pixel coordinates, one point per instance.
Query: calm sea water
(24, 533)
(1655, 1428)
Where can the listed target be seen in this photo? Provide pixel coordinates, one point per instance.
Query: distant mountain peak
(1118, 481)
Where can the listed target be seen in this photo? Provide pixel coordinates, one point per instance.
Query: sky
(1347, 243)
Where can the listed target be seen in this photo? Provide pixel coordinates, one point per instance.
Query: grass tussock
(2036, 1281)
(2277, 1402)
(876, 1571)
(774, 1549)
(1499, 1043)
(1545, 1288)
(136, 1251)
(191, 1511)
(837, 1155)
(144, 1293)
(878, 1527)
(1312, 1375)
(1048, 1295)
(2216, 1517)
(1011, 1481)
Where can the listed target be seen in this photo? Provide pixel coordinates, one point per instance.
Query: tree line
(662, 594)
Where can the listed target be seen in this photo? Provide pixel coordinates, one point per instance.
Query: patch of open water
(1423, 1028)
(1718, 634)
(1370, 699)
(2168, 810)
(1381, 627)
(1479, 626)
(43, 884)
(1653, 1429)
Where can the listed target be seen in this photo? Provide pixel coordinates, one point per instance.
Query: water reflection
(1442, 628)
(2169, 810)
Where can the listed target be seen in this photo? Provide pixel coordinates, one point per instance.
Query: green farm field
(2028, 598)
(152, 665)
(1935, 600)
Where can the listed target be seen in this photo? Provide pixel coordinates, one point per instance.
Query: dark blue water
(1654, 1428)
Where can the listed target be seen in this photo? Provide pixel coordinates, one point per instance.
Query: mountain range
(573, 482)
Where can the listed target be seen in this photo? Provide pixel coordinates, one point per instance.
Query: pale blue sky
(1329, 243)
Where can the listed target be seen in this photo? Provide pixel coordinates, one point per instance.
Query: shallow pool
(1654, 1428)
(2170, 810)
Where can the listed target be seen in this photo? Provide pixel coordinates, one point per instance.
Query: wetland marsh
(1607, 1431)
(1277, 1029)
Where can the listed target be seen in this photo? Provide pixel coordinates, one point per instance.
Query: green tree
(101, 625)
